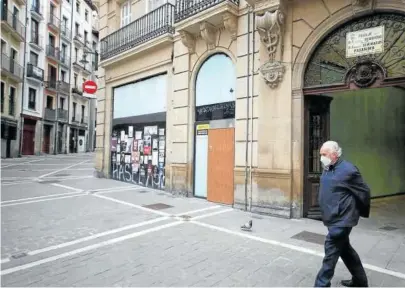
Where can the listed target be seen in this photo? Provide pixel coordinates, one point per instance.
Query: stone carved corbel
(209, 34)
(272, 72)
(270, 28)
(188, 40)
(230, 24)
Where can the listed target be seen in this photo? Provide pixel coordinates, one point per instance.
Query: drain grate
(388, 228)
(157, 206)
(310, 237)
(143, 191)
(19, 255)
(185, 217)
(49, 181)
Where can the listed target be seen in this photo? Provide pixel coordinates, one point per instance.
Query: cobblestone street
(62, 227)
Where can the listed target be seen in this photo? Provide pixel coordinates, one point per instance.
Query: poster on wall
(150, 130)
(138, 135)
(146, 144)
(113, 157)
(155, 158)
(140, 146)
(113, 144)
(130, 131)
(129, 145)
(161, 132)
(161, 156)
(135, 146)
(155, 144)
(122, 135)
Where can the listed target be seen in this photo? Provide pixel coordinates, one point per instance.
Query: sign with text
(90, 87)
(365, 42)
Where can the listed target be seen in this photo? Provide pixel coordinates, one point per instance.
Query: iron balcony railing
(65, 31)
(53, 20)
(53, 52)
(62, 114)
(51, 84)
(63, 87)
(77, 90)
(13, 21)
(149, 26)
(50, 114)
(188, 8)
(36, 9)
(35, 72)
(11, 66)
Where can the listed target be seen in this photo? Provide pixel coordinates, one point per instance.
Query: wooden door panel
(221, 154)
(28, 139)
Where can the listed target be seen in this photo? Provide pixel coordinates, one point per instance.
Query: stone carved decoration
(360, 3)
(209, 34)
(231, 24)
(272, 72)
(365, 74)
(188, 40)
(270, 28)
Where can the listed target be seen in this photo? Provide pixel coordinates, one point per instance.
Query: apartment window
(62, 103)
(154, 4)
(85, 36)
(32, 98)
(74, 109)
(34, 32)
(77, 27)
(86, 15)
(65, 23)
(82, 112)
(34, 58)
(77, 6)
(3, 47)
(11, 102)
(75, 79)
(51, 11)
(49, 102)
(51, 40)
(76, 54)
(126, 13)
(3, 91)
(63, 75)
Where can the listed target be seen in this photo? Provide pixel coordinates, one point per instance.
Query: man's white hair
(333, 146)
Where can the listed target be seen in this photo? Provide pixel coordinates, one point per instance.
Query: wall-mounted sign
(365, 42)
(203, 127)
(90, 87)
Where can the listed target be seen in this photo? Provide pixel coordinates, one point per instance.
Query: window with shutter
(126, 13)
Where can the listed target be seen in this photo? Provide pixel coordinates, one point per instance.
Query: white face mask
(325, 161)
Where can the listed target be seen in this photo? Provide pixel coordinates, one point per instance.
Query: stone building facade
(270, 45)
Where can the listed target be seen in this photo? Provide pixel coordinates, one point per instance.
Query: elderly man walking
(343, 198)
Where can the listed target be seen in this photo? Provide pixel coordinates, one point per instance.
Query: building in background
(13, 37)
(54, 111)
(231, 100)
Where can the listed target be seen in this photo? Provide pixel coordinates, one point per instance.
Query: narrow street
(63, 227)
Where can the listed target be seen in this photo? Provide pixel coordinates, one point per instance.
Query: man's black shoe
(350, 283)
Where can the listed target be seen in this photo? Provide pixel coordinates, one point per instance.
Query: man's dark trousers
(337, 244)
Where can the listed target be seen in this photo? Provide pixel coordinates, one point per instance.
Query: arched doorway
(354, 87)
(214, 129)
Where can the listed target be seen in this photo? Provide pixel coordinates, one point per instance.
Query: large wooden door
(28, 138)
(316, 133)
(47, 139)
(221, 154)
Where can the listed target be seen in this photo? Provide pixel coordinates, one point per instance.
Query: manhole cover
(185, 217)
(19, 255)
(388, 228)
(310, 237)
(49, 181)
(62, 174)
(157, 206)
(142, 191)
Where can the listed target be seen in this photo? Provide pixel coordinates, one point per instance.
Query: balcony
(11, 24)
(156, 23)
(51, 84)
(53, 52)
(50, 114)
(87, 46)
(37, 41)
(63, 87)
(35, 72)
(10, 68)
(64, 60)
(77, 91)
(62, 115)
(205, 17)
(78, 39)
(77, 65)
(65, 32)
(36, 12)
(53, 22)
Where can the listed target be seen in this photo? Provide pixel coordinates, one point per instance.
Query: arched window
(216, 81)
(376, 51)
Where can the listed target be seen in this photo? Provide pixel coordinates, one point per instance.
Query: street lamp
(84, 61)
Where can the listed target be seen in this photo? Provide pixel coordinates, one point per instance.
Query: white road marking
(37, 197)
(60, 170)
(199, 210)
(5, 260)
(95, 236)
(67, 187)
(42, 200)
(212, 214)
(36, 180)
(120, 190)
(131, 205)
(38, 170)
(21, 163)
(293, 247)
(87, 248)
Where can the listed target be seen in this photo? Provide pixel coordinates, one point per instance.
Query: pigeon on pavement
(247, 226)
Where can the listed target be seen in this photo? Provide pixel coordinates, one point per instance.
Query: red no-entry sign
(90, 87)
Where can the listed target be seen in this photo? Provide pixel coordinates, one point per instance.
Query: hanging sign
(202, 129)
(90, 87)
(365, 42)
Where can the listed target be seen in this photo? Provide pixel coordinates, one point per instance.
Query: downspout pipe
(247, 109)
(251, 99)
(67, 141)
(23, 86)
